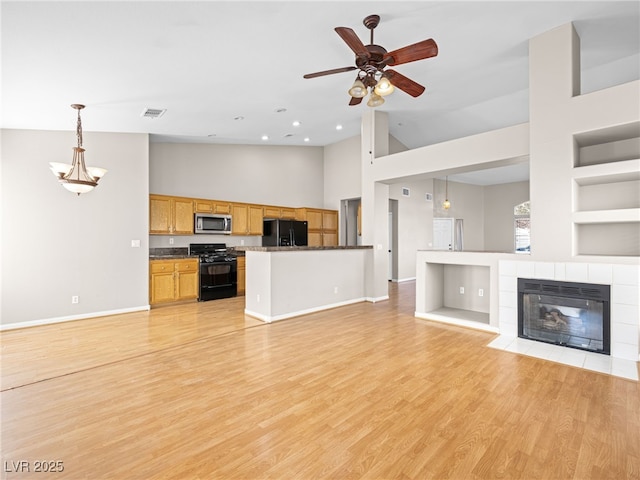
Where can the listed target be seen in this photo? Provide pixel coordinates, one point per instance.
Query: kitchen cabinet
(271, 212)
(170, 215)
(246, 219)
(287, 213)
(211, 206)
(322, 225)
(173, 280)
(241, 279)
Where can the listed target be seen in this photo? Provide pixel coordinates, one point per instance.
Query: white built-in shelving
(606, 183)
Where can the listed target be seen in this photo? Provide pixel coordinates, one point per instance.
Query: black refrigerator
(284, 233)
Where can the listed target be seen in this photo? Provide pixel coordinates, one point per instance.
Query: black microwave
(212, 223)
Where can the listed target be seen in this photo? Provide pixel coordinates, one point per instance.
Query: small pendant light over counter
(446, 204)
(77, 177)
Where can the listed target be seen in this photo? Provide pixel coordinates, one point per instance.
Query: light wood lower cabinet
(173, 280)
(241, 274)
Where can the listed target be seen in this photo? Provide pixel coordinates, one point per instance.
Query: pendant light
(77, 177)
(446, 204)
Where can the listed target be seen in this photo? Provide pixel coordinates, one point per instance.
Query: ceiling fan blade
(351, 39)
(329, 72)
(403, 83)
(411, 53)
(355, 101)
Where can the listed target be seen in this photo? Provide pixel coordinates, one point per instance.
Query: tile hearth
(596, 362)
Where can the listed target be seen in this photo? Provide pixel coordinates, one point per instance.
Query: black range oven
(218, 271)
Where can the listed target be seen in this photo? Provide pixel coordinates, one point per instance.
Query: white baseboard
(70, 318)
(454, 321)
(377, 299)
(284, 316)
(400, 280)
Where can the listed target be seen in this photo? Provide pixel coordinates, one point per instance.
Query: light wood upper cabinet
(170, 215)
(288, 213)
(271, 211)
(246, 219)
(322, 225)
(255, 220)
(173, 280)
(330, 220)
(211, 206)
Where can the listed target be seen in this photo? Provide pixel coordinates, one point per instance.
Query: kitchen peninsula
(285, 282)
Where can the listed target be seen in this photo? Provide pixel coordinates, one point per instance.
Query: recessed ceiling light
(265, 137)
(239, 117)
(306, 139)
(296, 123)
(287, 135)
(338, 127)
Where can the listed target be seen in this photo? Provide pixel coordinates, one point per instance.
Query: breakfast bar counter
(285, 282)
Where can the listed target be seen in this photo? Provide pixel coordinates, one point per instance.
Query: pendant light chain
(79, 130)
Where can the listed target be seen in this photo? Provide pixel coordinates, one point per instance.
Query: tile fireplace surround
(625, 313)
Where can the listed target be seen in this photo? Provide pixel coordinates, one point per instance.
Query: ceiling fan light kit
(372, 60)
(358, 89)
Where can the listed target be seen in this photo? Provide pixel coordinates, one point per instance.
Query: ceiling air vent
(153, 112)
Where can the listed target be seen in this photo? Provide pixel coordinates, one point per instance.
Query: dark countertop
(177, 253)
(305, 249)
(171, 257)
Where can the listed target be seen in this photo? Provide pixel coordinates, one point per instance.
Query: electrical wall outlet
(480, 292)
(170, 240)
(461, 290)
(258, 298)
(335, 289)
(75, 299)
(135, 243)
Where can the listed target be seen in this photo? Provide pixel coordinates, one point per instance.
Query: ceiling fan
(372, 61)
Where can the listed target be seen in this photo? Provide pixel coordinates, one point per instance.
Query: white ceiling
(209, 62)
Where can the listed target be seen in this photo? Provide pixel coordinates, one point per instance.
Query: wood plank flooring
(361, 391)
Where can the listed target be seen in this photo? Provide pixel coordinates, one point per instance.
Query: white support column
(375, 203)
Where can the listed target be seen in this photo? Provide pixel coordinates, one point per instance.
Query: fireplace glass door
(572, 321)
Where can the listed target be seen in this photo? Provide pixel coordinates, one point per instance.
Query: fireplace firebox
(570, 314)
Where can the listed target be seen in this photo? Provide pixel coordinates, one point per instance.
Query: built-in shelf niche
(606, 192)
(445, 300)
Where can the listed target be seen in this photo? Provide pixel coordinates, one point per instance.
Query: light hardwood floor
(362, 391)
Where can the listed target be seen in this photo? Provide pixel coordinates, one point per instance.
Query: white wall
(467, 203)
(272, 175)
(557, 113)
(56, 244)
(342, 172)
(499, 201)
(415, 224)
